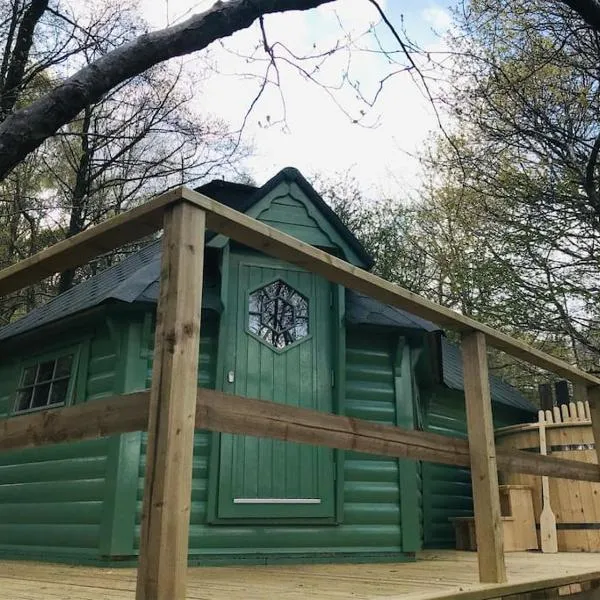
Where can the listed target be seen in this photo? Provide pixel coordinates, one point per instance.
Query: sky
(319, 133)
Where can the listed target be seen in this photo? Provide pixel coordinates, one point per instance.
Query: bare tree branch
(26, 129)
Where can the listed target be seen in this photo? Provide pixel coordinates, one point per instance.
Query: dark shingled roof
(361, 309)
(135, 279)
(125, 281)
(238, 196)
(242, 197)
(500, 390)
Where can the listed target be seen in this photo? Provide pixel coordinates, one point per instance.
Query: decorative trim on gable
(322, 234)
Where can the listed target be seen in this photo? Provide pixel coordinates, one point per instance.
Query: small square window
(45, 384)
(29, 375)
(45, 371)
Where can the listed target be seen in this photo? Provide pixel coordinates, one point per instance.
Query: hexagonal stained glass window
(278, 314)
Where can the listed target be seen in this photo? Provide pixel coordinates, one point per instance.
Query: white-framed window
(46, 381)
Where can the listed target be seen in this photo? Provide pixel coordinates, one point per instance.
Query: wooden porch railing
(173, 407)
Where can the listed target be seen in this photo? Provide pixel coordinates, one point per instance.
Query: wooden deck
(437, 574)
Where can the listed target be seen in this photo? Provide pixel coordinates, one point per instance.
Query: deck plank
(437, 574)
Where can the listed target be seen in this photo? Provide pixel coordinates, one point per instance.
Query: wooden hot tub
(576, 504)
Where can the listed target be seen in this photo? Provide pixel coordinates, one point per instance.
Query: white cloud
(438, 17)
(318, 136)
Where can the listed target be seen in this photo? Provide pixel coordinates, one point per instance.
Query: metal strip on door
(277, 500)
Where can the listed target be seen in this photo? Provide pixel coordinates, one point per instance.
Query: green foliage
(522, 177)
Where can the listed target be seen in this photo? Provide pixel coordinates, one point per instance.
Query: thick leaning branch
(26, 129)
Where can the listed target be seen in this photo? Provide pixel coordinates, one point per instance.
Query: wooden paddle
(547, 518)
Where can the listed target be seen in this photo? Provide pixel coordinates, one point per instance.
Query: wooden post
(167, 489)
(484, 474)
(594, 401)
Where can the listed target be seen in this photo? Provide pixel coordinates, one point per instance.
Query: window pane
(278, 314)
(63, 366)
(301, 329)
(46, 371)
(58, 393)
(40, 395)
(24, 399)
(29, 375)
(254, 323)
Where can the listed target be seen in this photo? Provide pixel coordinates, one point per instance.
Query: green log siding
(447, 490)
(52, 498)
(209, 331)
(371, 483)
(370, 526)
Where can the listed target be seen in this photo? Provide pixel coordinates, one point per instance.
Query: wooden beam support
(273, 242)
(109, 416)
(218, 411)
(484, 472)
(81, 248)
(593, 396)
(167, 489)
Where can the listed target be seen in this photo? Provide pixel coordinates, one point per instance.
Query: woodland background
(504, 226)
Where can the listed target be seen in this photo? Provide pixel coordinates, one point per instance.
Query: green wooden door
(279, 347)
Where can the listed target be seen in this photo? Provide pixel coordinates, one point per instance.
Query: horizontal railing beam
(269, 240)
(98, 418)
(218, 411)
(78, 250)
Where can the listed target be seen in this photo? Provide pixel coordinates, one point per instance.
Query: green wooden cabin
(269, 330)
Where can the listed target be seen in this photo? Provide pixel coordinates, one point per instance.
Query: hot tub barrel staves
(575, 503)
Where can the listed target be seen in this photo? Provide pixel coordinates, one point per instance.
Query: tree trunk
(26, 129)
(80, 193)
(19, 56)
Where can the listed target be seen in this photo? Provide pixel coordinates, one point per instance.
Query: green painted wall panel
(93, 449)
(52, 498)
(54, 470)
(371, 520)
(446, 491)
(369, 514)
(293, 218)
(53, 491)
(371, 491)
(66, 535)
(48, 513)
(362, 470)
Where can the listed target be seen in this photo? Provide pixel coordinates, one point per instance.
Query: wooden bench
(518, 522)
